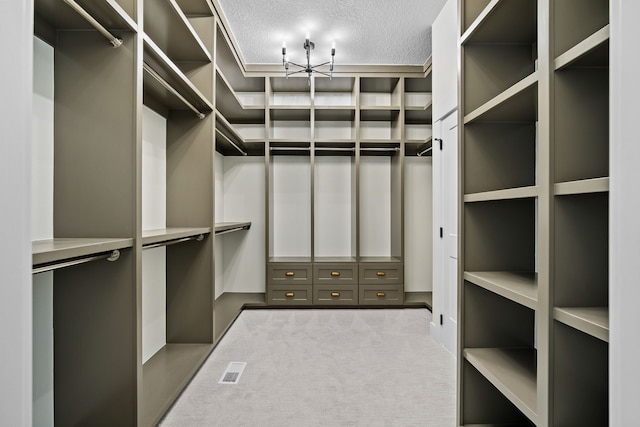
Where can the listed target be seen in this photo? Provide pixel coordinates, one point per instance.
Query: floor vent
(233, 373)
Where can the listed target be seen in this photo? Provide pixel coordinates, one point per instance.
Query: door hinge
(441, 233)
(441, 319)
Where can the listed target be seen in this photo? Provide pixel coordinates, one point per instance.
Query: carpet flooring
(315, 367)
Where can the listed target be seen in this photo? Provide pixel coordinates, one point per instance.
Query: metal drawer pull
(335, 273)
(289, 294)
(335, 294)
(381, 274)
(289, 274)
(381, 294)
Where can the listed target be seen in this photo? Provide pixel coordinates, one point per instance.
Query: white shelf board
(583, 48)
(507, 194)
(512, 372)
(520, 287)
(583, 186)
(590, 320)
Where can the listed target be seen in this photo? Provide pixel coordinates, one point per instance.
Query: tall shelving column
(94, 212)
(178, 73)
(580, 52)
(504, 280)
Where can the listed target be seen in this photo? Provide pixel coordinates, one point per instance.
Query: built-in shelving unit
(534, 143)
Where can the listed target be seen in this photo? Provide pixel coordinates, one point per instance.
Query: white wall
(624, 316)
(244, 256)
(42, 229)
(445, 61)
(16, 27)
(418, 224)
(154, 202)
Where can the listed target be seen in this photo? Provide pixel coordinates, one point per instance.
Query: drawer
(339, 273)
(281, 273)
(335, 295)
(379, 273)
(381, 295)
(289, 295)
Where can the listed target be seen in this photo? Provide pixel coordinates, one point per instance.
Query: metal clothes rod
(244, 153)
(335, 149)
(170, 88)
(289, 148)
(420, 154)
(199, 238)
(111, 256)
(380, 149)
(115, 41)
(231, 230)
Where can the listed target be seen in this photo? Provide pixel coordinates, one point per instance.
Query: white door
(449, 218)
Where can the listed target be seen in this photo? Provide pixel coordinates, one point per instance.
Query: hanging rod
(244, 153)
(335, 149)
(170, 88)
(231, 230)
(289, 148)
(198, 238)
(380, 149)
(420, 154)
(115, 41)
(110, 256)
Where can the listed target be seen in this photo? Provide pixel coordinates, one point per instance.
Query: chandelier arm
(297, 72)
(320, 65)
(297, 65)
(324, 74)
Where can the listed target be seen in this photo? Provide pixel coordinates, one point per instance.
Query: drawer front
(381, 295)
(289, 295)
(381, 273)
(335, 295)
(340, 273)
(281, 273)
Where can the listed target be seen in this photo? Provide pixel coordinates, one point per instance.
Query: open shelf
(290, 125)
(580, 384)
(232, 107)
(334, 125)
(380, 93)
(59, 249)
(112, 14)
(166, 374)
(512, 372)
(417, 94)
(591, 51)
(518, 103)
(575, 21)
(152, 237)
(338, 92)
(380, 125)
(155, 93)
(293, 92)
(520, 287)
(593, 321)
(500, 21)
(166, 24)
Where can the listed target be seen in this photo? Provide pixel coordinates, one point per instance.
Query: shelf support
(110, 256)
(171, 89)
(115, 41)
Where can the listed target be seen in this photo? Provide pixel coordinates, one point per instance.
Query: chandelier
(309, 69)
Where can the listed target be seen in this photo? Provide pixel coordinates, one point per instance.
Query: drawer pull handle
(289, 274)
(335, 273)
(335, 294)
(381, 274)
(289, 294)
(381, 294)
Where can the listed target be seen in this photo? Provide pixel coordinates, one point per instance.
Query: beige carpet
(315, 367)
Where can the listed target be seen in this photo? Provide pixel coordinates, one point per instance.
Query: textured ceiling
(365, 31)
